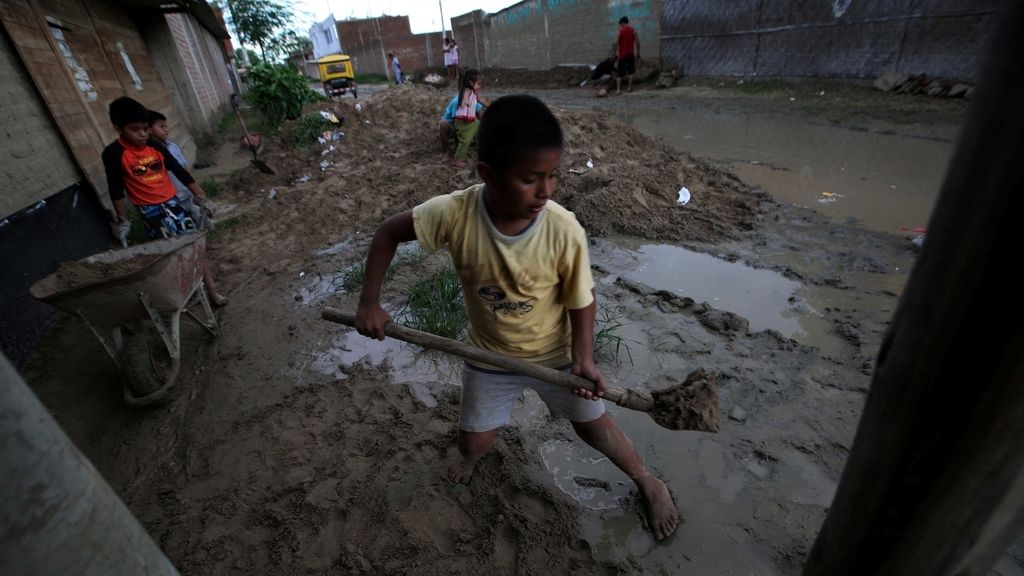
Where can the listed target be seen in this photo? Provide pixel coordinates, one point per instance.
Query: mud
(690, 405)
(89, 271)
(296, 447)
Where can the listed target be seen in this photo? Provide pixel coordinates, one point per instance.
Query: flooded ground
(880, 172)
(298, 447)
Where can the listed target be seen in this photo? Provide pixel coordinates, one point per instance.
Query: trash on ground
(359, 107)
(590, 163)
(272, 194)
(330, 117)
(303, 179)
(829, 197)
(433, 79)
(684, 196)
(324, 165)
(918, 241)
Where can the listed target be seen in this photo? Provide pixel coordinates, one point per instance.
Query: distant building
(305, 63)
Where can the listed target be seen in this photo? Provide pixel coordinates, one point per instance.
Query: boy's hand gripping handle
(627, 398)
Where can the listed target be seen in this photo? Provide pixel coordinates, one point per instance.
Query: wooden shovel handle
(549, 375)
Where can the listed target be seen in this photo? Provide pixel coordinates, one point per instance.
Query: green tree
(289, 42)
(259, 21)
(254, 58)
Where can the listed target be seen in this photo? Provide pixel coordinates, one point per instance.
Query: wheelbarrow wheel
(148, 369)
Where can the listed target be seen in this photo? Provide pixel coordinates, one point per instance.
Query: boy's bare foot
(662, 515)
(458, 164)
(460, 468)
(218, 300)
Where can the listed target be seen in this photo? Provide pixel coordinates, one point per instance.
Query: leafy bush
(308, 128)
(278, 92)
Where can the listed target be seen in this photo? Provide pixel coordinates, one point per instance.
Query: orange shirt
(141, 172)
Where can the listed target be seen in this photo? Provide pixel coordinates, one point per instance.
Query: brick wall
(852, 38)
(34, 161)
(369, 40)
(203, 62)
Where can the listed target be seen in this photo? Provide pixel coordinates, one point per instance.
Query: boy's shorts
(488, 398)
(194, 211)
(167, 219)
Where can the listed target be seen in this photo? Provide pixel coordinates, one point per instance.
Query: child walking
(466, 116)
(525, 273)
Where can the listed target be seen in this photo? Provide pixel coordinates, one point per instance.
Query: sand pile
(345, 477)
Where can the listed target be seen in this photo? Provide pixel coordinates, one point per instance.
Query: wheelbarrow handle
(549, 375)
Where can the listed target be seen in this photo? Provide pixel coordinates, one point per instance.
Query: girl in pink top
(466, 114)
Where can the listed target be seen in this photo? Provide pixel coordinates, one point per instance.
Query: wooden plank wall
(92, 30)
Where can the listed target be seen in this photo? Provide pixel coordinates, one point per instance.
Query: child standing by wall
(525, 273)
(159, 130)
(396, 68)
(466, 114)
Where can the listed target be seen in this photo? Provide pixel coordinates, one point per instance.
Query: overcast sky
(424, 15)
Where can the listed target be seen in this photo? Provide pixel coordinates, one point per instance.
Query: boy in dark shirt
(136, 166)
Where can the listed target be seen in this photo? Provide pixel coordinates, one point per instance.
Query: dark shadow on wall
(66, 226)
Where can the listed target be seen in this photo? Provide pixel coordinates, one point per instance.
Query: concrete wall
(34, 160)
(543, 34)
(851, 38)
(471, 35)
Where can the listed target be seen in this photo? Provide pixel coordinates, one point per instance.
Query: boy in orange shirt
(136, 166)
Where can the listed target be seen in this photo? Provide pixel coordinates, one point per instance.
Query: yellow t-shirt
(518, 289)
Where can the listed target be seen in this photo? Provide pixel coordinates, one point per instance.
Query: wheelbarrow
(153, 281)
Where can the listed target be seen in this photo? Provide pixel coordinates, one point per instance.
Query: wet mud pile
(691, 405)
(89, 271)
(389, 160)
(346, 477)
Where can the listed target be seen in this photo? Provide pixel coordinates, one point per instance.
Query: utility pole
(934, 485)
(57, 514)
(441, 8)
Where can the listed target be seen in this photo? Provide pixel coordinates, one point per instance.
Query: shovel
(692, 405)
(251, 144)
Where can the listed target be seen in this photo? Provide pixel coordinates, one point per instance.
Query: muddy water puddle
(879, 179)
(767, 299)
(720, 488)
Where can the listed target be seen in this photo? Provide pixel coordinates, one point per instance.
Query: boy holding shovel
(525, 273)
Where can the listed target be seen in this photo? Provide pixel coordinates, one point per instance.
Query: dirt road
(295, 447)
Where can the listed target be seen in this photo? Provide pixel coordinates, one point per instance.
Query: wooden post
(935, 481)
(57, 514)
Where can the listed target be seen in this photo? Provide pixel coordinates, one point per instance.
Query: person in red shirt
(137, 166)
(627, 49)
